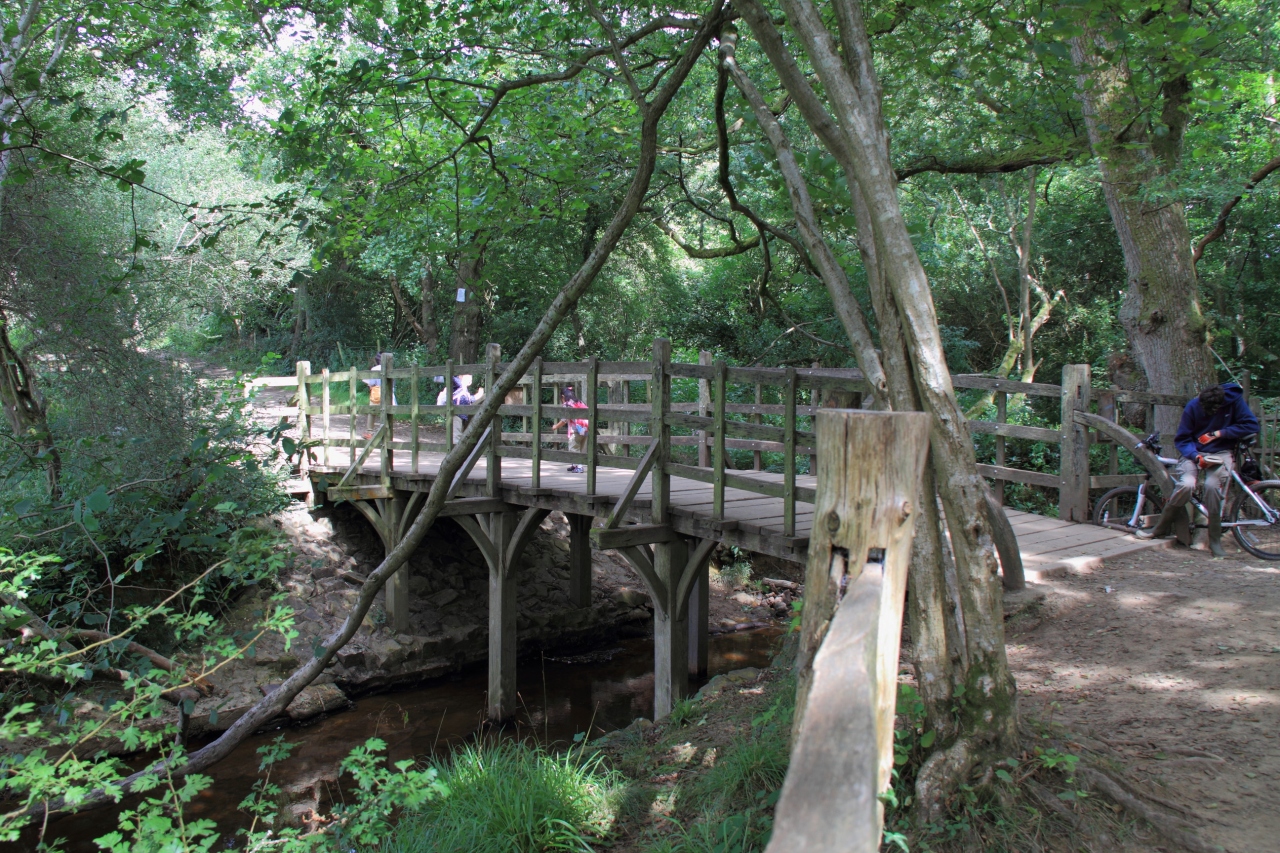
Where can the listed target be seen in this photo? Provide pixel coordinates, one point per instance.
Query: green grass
(512, 798)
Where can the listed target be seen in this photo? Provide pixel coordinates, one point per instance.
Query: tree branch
(1220, 226)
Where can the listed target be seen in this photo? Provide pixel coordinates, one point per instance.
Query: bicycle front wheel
(1115, 509)
(1257, 534)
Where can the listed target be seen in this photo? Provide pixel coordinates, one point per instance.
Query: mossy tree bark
(1137, 147)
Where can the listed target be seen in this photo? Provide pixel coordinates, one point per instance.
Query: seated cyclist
(1211, 426)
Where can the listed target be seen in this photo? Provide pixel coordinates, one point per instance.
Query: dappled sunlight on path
(1173, 659)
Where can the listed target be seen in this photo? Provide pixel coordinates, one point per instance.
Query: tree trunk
(26, 411)
(859, 142)
(1161, 312)
(430, 329)
(464, 337)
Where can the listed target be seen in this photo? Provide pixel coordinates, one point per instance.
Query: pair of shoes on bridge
(576, 469)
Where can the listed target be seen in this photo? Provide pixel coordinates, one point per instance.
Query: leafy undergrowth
(505, 797)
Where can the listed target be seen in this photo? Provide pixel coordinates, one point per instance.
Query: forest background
(250, 184)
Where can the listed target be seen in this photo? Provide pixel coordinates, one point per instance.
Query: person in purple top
(1211, 426)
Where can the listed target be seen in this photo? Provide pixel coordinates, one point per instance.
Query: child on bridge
(577, 427)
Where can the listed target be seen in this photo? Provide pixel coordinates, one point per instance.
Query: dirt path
(1173, 659)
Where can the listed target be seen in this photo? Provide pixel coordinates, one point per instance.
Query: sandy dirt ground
(1172, 659)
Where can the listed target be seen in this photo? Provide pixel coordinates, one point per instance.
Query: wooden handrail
(869, 473)
(719, 424)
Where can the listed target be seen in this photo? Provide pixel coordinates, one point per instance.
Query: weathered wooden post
(537, 423)
(717, 450)
(493, 462)
(670, 626)
(1073, 494)
(704, 409)
(353, 389)
(387, 456)
(699, 613)
(502, 618)
(591, 389)
(449, 437)
(789, 454)
(324, 416)
(304, 419)
(869, 471)
(414, 416)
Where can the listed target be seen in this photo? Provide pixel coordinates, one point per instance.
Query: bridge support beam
(670, 629)
(580, 560)
(699, 611)
(501, 539)
(502, 620)
(391, 516)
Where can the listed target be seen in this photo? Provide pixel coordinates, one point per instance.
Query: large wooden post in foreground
(869, 471)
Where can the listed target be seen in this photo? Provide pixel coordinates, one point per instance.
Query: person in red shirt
(576, 427)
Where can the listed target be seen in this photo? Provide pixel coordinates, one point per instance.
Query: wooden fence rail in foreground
(869, 473)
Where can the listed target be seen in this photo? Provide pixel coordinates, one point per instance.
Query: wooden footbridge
(678, 458)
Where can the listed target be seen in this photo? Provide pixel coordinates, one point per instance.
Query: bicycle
(1252, 510)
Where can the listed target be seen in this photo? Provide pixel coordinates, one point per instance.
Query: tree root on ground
(937, 777)
(1173, 828)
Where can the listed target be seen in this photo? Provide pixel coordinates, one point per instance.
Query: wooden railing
(776, 417)
(715, 409)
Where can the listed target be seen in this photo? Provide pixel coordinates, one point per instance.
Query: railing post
(1073, 493)
(815, 402)
(537, 423)
(324, 416)
(869, 471)
(414, 416)
(449, 437)
(591, 389)
(704, 409)
(304, 419)
(353, 391)
(757, 459)
(717, 457)
(387, 462)
(660, 394)
(1002, 417)
(493, 465)
(789, 454)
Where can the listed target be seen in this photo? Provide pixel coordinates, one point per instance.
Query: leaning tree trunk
(1161, 313)
(270, 706)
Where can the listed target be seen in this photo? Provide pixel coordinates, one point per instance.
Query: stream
(603, 690)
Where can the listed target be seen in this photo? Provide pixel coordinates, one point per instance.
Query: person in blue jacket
(1211, 426)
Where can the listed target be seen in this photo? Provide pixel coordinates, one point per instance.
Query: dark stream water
(602, 691)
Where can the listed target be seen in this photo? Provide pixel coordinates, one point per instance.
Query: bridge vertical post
(493, 464)
(397, 588)
(414, 416)
(502, 619)
(591, 390)
(1073, 493)
(579, 560)
(757, 461)
(324, 416)
(1002, 417)
(537, 423)
(353, 388)
(699, 613)
(449, 437)
(304, 419)
(789, 454)
(717, 454)
(387, 461)
(704, 410)
(670, 629)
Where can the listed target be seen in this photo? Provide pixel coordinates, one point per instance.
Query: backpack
(577, 425)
